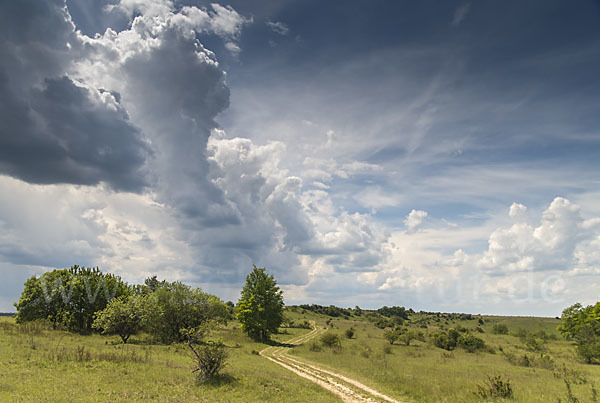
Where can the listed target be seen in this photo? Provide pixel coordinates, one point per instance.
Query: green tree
(123, 316)
(69, 297)
(583, 326)
(392, 335)
(260, 308)
(175, 306)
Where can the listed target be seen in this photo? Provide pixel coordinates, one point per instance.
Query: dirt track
(349, 390)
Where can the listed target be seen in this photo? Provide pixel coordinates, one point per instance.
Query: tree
(583, 326)
(392, 335)
(176, 306)
(69, 297)
(411, 335)
(260, 308)
(123, 316)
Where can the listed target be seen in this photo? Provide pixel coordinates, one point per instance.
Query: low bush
(331, 340)
(315, 346)
(500, 328)
(470, 343)
(211, 358)
(445, 340)
(495, 387)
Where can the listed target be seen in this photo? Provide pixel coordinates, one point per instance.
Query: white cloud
(414, 220)
(278, 27)
(233, 48)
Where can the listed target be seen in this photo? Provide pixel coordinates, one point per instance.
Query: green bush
(495, 387)
(500, 328)
(331, 340)
(123, 316)
(470, 342)
(445, 340)
(315, 346)
(349, 333)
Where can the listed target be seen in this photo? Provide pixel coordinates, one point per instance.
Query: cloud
(460, 14)
(552, 245)
(233, 48)
(414, 220)
(278, 27)
(55, 130)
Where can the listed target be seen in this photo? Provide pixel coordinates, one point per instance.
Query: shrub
(495, 387)
(445, 340)
(315, 346)
(331, 340)
(211, 358)
(500, 328)
(470, 342)
(387, 349)
(350, 333)
(532, 343)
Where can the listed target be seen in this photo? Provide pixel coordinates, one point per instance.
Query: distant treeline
(334, 311)
(7, 314)
(385, 311)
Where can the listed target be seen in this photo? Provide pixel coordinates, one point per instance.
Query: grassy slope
(43, 365)
(424, 373)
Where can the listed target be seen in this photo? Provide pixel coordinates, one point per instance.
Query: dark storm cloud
(53, 130)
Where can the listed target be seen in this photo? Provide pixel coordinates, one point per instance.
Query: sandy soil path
(349, 390)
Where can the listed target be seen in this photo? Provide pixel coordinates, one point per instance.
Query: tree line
(85, 300)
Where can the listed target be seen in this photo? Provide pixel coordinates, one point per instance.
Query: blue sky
(435, 155)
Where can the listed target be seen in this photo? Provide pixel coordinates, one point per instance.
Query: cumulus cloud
(414, 220)
(551, 245)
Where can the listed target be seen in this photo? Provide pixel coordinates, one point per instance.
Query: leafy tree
(260, 308)
(583, 326)
(411, 335)
(176, 306)
(123, 316)
(392, 335)
(69, 297)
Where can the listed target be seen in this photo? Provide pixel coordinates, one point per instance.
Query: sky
(441, 156)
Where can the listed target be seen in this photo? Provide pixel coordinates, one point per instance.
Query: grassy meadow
(421, 372)
(41, 364)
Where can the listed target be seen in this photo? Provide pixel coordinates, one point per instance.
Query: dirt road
(349, 390)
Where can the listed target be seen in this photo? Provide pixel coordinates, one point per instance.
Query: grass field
(424, 373)
(39, 364)
(42, 365)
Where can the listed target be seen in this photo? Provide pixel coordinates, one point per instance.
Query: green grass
(37, 364)
(40, 364)
(424, 373)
